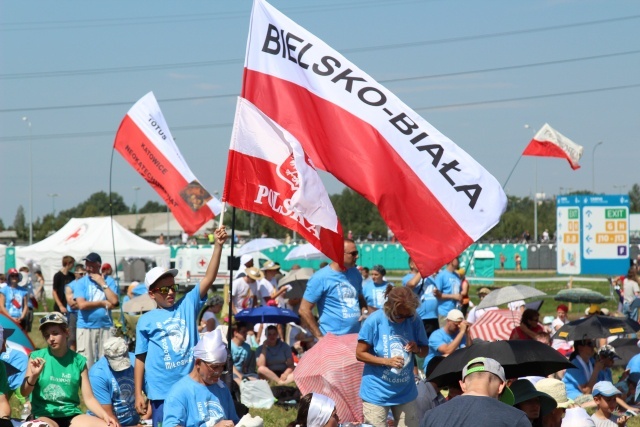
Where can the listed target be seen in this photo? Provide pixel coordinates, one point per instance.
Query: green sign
(574, 213)
(615, 213)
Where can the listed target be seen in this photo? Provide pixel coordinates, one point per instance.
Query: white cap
(155, 273)
(117, 354)
(455, 315)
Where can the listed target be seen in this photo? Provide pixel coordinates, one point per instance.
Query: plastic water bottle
(25, 412)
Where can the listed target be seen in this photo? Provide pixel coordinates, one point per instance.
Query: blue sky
(75, 68)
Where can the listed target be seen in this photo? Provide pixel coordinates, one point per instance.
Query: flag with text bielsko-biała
(436, 198)
(145, 142)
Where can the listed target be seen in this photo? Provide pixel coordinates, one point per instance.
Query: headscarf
(320, 410)
(210, 348)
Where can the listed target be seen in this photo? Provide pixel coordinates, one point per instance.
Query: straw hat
(254, 273)
(556, 389)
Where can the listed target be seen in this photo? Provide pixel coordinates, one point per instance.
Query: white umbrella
(306, 251)
(257, 245)
(509, 294)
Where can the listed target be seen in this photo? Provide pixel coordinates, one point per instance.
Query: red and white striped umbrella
(495, 325)
(331, 368)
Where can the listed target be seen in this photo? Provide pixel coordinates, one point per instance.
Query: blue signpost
(593, 234)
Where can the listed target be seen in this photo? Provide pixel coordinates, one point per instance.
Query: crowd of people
(403, 333)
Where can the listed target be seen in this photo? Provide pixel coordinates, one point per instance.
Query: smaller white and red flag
(548, 142)
(269, 173)
(145, 142)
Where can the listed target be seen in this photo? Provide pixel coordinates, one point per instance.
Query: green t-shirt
(4, 382)
(56, 392)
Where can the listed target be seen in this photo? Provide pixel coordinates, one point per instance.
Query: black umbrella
(596, 327)
(626, 348)
(519, 358)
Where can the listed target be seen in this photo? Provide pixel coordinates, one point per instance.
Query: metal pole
(53, 202)
(135, 189)
(593, 167)
(535, 206)
(26, 119)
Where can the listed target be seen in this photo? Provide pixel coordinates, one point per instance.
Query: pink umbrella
(331, 368)
(495, 325)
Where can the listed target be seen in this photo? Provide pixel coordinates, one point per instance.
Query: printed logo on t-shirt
(175, 341)
(124, 387)
(378, 296)
(393, 346)
(53, 393)
(211, 411)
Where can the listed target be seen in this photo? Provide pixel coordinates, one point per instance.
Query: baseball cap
(106, 266)
(14, 271)
(270, 265)
(155, 273)
(93, 257)
(254, 273)
(455, 315)
(55, 318)
(117, 354)
(604, 388)
(484, 291)
(486, 364)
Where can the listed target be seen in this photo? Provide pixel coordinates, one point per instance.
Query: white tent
(80, 236)
(3, 250)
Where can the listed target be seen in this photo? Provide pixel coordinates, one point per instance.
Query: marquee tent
(80, 236)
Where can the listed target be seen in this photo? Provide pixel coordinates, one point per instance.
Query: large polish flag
(434, 196)
(145, 142)
(548, 142)
(269, 173)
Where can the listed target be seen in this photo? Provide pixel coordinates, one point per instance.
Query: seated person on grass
(274, 359)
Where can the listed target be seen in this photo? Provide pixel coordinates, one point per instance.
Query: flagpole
(229, 378)
(535, 205)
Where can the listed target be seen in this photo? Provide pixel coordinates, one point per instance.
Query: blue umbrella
(19, 336)
(267, 314)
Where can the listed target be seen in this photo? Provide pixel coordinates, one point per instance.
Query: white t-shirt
(631, 288)
(243, 293)
(210, 315)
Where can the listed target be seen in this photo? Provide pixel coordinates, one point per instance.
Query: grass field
(279, 417)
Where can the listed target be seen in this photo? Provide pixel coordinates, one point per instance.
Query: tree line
(356, 214)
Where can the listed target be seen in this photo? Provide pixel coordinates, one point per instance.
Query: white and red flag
(269, 173)
(436, 198)
(548, 142)
(145, 141)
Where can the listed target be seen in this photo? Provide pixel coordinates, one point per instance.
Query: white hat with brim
(556, 389)
(155, 273)
(117, 354)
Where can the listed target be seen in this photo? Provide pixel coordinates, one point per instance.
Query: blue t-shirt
(447, 282)
(14, 300)
(436, 339)
(406, 278)
(30, 294)
(192, 404)
(19, 361)
(72, 285)
(240, 355)
(336, 294)
(575, 377)
(634, 364)
(374, 294)
(380, 385)
(168, 337)
(115, 389)
(428, 308)
(93, 318)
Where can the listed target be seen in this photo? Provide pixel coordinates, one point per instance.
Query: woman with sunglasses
(581, 379)
(386, 344)
(54, 376)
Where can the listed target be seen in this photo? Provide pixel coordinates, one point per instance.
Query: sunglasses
(51, 318)
(216, 368)
(354, 253)
(164, 290)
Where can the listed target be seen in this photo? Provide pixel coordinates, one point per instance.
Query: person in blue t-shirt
(72, 305)
(95, 296)
(165, 337)
(449, 338)
(386, 344)
(411, 274)
(13, 299)
(634, 364)
(375, 289)
(338, 294)
(244, 359)
(200, 398)
(581, 379)
(448, 289)
(112, 382)
(15, 358)
(428, 310)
